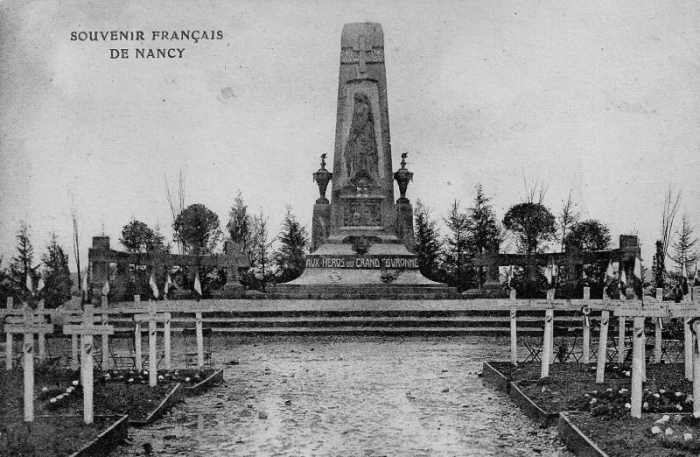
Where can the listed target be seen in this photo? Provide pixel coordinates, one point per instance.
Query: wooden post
(548, 342)
(28, 360)
(657, 340)
(513, 336)
(86, 352)
(688, 347)
(200, 340)
(41, 338)
(637, 362)
(586, 357)
(8, 341)
(152, 356)
(602, 347)
(621, 340)
(105, 337)
(166, 343)
(74, 352)
(137, 346)
(137, 337)
(696, 371)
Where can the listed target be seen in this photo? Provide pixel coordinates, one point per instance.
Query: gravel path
(350, 395)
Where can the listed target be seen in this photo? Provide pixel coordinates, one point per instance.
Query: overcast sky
(600, 98)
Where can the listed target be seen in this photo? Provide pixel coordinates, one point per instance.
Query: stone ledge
(575, 440)
(107, 440)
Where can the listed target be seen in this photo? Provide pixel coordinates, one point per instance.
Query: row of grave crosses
(29, 322)
(656, 309)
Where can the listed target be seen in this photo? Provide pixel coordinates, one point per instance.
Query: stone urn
(403, 177)
(322, 178)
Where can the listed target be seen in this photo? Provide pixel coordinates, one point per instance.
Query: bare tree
(668, 217)
(178, 207)
(535, 192)
(76, 239)
(567, 218)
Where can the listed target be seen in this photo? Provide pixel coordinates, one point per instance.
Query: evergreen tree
(21, 265)
(139, 238)
(684, 251)
(57, 282)
(533, 225)
(457, 253)
(260, 271)
(484, 231)
(427, 243)
(589, 236)
(198, 228)
(291, 256)
(659, 264)
(239, 224)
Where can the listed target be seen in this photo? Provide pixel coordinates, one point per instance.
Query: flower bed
(602, 412)
(59, 429)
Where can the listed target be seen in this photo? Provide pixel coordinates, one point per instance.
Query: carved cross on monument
(362, 54)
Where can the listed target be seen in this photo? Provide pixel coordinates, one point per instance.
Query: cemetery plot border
(607, 422)
(170, 400)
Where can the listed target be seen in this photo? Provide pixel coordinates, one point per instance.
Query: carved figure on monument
(361, 156)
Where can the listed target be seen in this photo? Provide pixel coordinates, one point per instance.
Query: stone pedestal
(320, 225)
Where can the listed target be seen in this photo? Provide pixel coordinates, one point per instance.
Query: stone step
(494, 331)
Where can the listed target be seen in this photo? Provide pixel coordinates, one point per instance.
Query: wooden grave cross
(153, 318)
(29, 325)
(11, 311)
(639, 312)
(695, 327)
(548, 345)
(687, 311)
(87, 330)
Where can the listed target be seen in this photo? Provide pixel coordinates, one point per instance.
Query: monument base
(384, 271)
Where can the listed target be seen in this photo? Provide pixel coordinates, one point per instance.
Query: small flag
(168, 285)
(661, 324)
(40, 285)
(30, 284)
(609, 274)
(548, 272)
(637, 268)
(684, 270)
(623, 278)
(696, 280)
(510, 275)
(198, 286)
(154, 286)
(105, 288)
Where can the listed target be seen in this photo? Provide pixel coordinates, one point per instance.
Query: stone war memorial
(558, 347)
(362, 239)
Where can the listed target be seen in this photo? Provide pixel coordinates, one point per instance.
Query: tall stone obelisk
(362, 239)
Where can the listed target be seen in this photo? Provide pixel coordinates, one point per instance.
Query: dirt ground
(350, 395)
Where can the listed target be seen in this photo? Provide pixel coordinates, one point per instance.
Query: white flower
(628, 406)
(75, 383)
(44, 389)
(53, 400)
